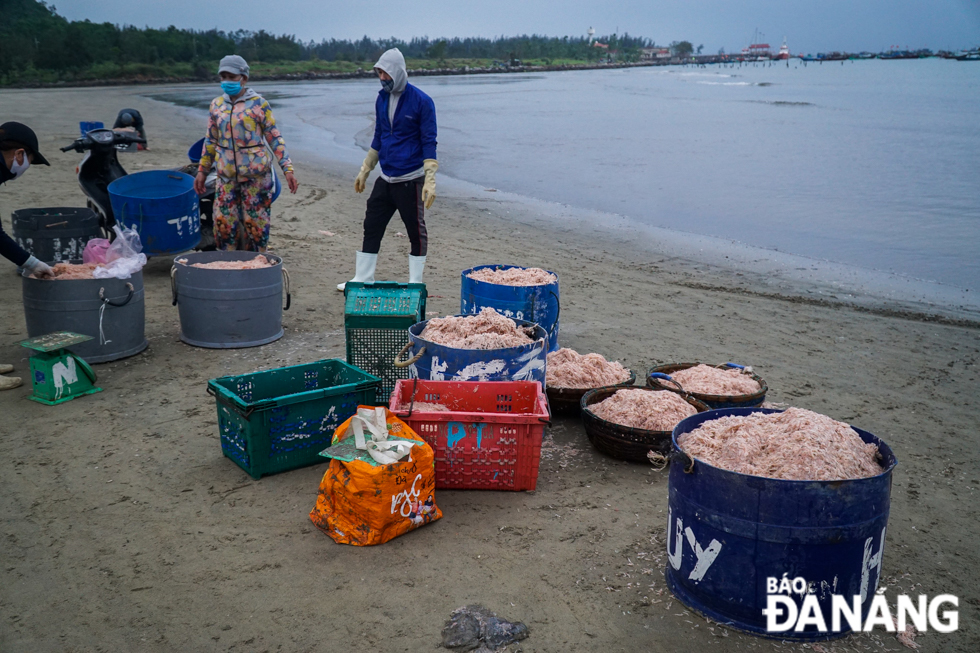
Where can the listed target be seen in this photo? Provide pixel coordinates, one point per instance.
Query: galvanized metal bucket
(227, 309)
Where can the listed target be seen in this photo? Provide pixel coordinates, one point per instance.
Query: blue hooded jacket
(403, 148)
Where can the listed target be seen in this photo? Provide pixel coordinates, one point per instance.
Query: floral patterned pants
(242, 212)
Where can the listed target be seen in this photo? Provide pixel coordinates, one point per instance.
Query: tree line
(38, 44)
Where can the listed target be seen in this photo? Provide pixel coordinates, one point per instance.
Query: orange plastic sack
(362, 502)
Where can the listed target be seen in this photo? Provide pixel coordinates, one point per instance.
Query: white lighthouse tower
(591, 33)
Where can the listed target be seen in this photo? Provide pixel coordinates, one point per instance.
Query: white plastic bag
(124, 256)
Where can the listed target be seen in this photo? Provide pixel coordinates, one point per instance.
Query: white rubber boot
(416, 265)
(6, 369)
(363, 269)
(9, 382)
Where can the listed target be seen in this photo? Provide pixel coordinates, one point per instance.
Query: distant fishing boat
(900, 54)
(864, 55)
(969, 55)
(783, 53)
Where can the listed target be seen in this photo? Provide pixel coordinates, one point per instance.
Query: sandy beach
(125, 529)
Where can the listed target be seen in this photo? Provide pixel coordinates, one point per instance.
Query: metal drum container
(226, 309)
(111, 311)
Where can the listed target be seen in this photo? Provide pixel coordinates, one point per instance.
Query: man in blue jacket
(405, 145)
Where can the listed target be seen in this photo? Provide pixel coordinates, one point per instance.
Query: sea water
(871, 164)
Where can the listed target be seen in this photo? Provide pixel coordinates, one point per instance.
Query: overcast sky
(825, 25)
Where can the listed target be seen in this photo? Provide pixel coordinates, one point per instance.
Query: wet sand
(125, 529)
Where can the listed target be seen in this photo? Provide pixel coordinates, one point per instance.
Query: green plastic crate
(376, 321)
(281, 419)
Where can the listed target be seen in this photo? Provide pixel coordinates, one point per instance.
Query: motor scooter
(100, 167)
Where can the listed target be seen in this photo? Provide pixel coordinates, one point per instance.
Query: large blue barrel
(162, 206)
(441, 363)
(727, 533)
(538, 304)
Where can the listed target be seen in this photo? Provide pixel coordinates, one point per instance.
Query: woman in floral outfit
(239, 120)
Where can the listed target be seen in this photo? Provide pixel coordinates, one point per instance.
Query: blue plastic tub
(538, 304)
(727, 533)
(162, 206)
(86, 126)
(441, 363)
(196, 151)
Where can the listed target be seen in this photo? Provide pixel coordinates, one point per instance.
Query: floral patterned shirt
(234, 140)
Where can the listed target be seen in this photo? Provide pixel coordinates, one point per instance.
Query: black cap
(24, 136)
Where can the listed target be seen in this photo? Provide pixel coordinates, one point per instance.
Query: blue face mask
(388, 84)
(231, 88)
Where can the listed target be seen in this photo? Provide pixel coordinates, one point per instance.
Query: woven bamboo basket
(713, 401)
(624, 442)
(567, 401)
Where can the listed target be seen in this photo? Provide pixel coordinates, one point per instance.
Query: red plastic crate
(490, 439)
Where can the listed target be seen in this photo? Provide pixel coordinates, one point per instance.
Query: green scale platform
(57, 374)
(376, 320)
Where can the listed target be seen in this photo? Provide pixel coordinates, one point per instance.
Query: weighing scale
(58, 374)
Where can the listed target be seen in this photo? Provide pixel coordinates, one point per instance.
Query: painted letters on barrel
(441, 363)
(538, 304)
(727, 533)
(57, 233)
(163, 208)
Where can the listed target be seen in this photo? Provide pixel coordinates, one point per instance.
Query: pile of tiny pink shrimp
(486, 330)
(251, 264)
(71, 271)
(651, 410)
(569, 369)
(795, 445)
(708, 380)
(423, 407)
(514, 276)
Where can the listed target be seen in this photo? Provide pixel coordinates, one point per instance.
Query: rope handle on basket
(667, 377)
(289, 297)
(173, 283)
(411, 361)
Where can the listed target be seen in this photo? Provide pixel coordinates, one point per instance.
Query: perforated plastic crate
(489, 439)
(281, 419)
(376, 321)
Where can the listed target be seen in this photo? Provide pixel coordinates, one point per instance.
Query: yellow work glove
(429, 187)
(370, 161)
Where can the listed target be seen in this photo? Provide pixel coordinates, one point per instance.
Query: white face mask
(17, 169)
